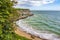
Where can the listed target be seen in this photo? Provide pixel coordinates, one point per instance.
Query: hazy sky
(39, 4)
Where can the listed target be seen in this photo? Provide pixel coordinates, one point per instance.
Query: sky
(39, 4)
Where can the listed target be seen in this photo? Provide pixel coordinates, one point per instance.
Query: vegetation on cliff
(7, 15)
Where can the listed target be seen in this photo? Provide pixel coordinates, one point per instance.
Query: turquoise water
(45, 21)
(44, 24)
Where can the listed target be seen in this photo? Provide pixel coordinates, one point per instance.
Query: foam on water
(45, 35)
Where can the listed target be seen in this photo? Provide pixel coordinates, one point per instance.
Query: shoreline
(21, 32)
(25, 34)
(33, 34)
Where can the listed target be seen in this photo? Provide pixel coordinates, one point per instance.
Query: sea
(43, 24)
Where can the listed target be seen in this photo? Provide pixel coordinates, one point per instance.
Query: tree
(7, 13)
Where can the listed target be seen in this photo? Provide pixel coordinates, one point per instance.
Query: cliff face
(24, 13)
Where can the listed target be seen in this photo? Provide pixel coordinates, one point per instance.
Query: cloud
(48, 1)
(34, 2)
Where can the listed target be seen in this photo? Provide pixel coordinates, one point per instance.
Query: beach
(24, 34)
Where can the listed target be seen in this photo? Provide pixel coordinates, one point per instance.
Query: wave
(42, 34)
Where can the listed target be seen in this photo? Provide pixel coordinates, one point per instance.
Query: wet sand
(27, 35)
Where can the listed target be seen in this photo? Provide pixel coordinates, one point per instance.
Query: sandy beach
(24, 34)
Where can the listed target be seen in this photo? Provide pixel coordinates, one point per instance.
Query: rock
(30, 14)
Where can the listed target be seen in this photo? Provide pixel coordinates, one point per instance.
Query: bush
(7, 13)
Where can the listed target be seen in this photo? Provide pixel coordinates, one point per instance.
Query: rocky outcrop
(24, 13)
